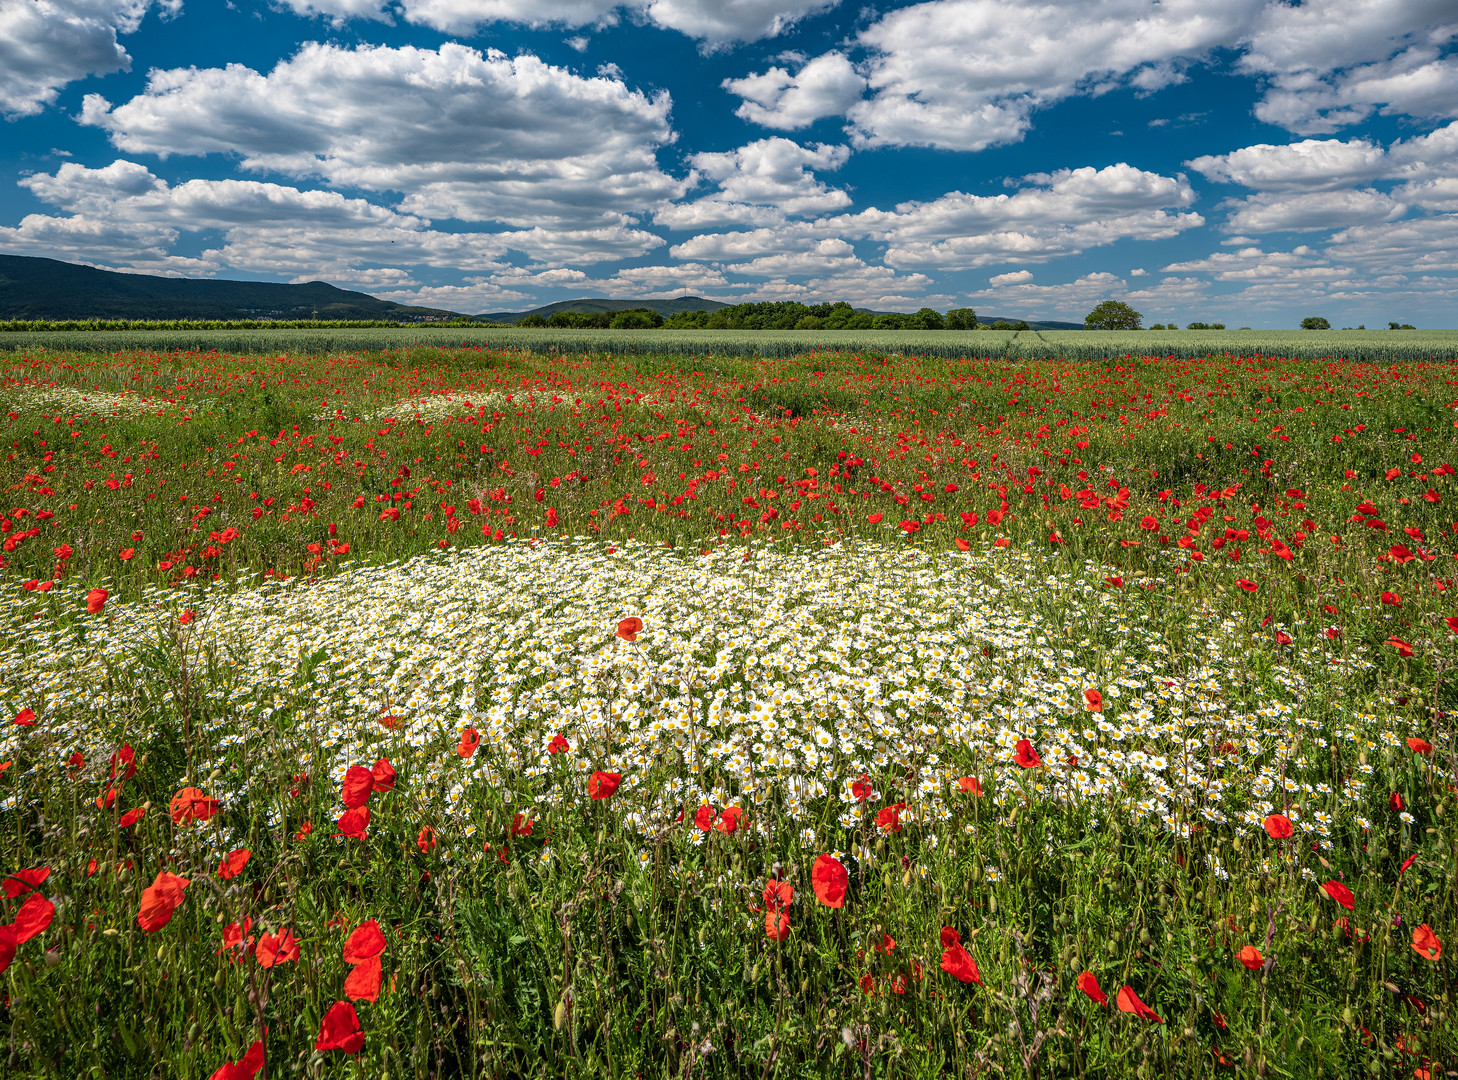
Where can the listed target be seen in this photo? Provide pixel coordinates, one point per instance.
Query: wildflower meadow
(471, 712)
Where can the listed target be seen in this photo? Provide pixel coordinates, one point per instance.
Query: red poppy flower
(521, 826)
(1394, 802)
(1089, 984)
(1251, 957)
(1026, 756)
(1403, 648)
(131, 817)
(950, 937)
(1452, 623)
(25, 718)
(704, 818)
(353, 823)
(1278, 826)
(1248, 586)
(729, 820)
(1341, 894)
(365, 941)
(971, 784)
(601, 785)
(426, 840)
(470, 740)
(192, 804)
(279, 948)
(778, 894)
(776, 924)
(33, 917)
(304, 830)
(558, 745)
(96, 600)
(1391, 599)
(384, 775)
(1116, 582)
(159, 900)
(127, 758)
(958, 963)
(233, 863)
(868, 983)
(962, 545)
(1419, 746)
(106, 798)
(1424, 942)
(391, 722)
(245, 1068)
(1128, 1001)
(1407, 862)
(829, 880)
(75, 763)
(24, 881)
(889, 817)
(875, 519)
(7, 946)
(339, 1030)
(358, 784)
(233, 937)
(1094, 700)
(363, 983)
(630, 628)
(861, 788)
(186, 616)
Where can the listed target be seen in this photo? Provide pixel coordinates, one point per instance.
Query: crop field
(1365, 346)
(552, 709)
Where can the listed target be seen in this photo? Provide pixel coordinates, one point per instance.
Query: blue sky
(1249, 162)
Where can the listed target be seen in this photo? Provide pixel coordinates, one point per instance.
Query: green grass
(616, 939)
(1371, 346)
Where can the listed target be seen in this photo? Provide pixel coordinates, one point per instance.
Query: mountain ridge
(39, 288)
(35, 288)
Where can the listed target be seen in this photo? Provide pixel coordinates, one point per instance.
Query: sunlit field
(496, 713)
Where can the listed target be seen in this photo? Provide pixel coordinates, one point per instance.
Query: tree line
(769, 315)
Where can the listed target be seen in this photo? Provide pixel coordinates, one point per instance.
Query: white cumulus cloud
(1298, 211)
(967, 74)
(825, 86)
(1067, 212)
(466, 135)
(45, 44)
(759, 184)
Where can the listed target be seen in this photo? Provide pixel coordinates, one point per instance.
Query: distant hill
(592, 306)
(32, 288)
(48, 289)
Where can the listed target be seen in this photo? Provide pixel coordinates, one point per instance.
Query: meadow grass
(1047, 657)
(1363, 346)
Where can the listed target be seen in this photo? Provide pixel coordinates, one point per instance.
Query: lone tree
(1315, 322)
(962, 318)
(1112, 315)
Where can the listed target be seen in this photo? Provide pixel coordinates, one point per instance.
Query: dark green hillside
(33, 288)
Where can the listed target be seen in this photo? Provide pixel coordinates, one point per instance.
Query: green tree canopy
(1315, 322)
(1112, 315)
